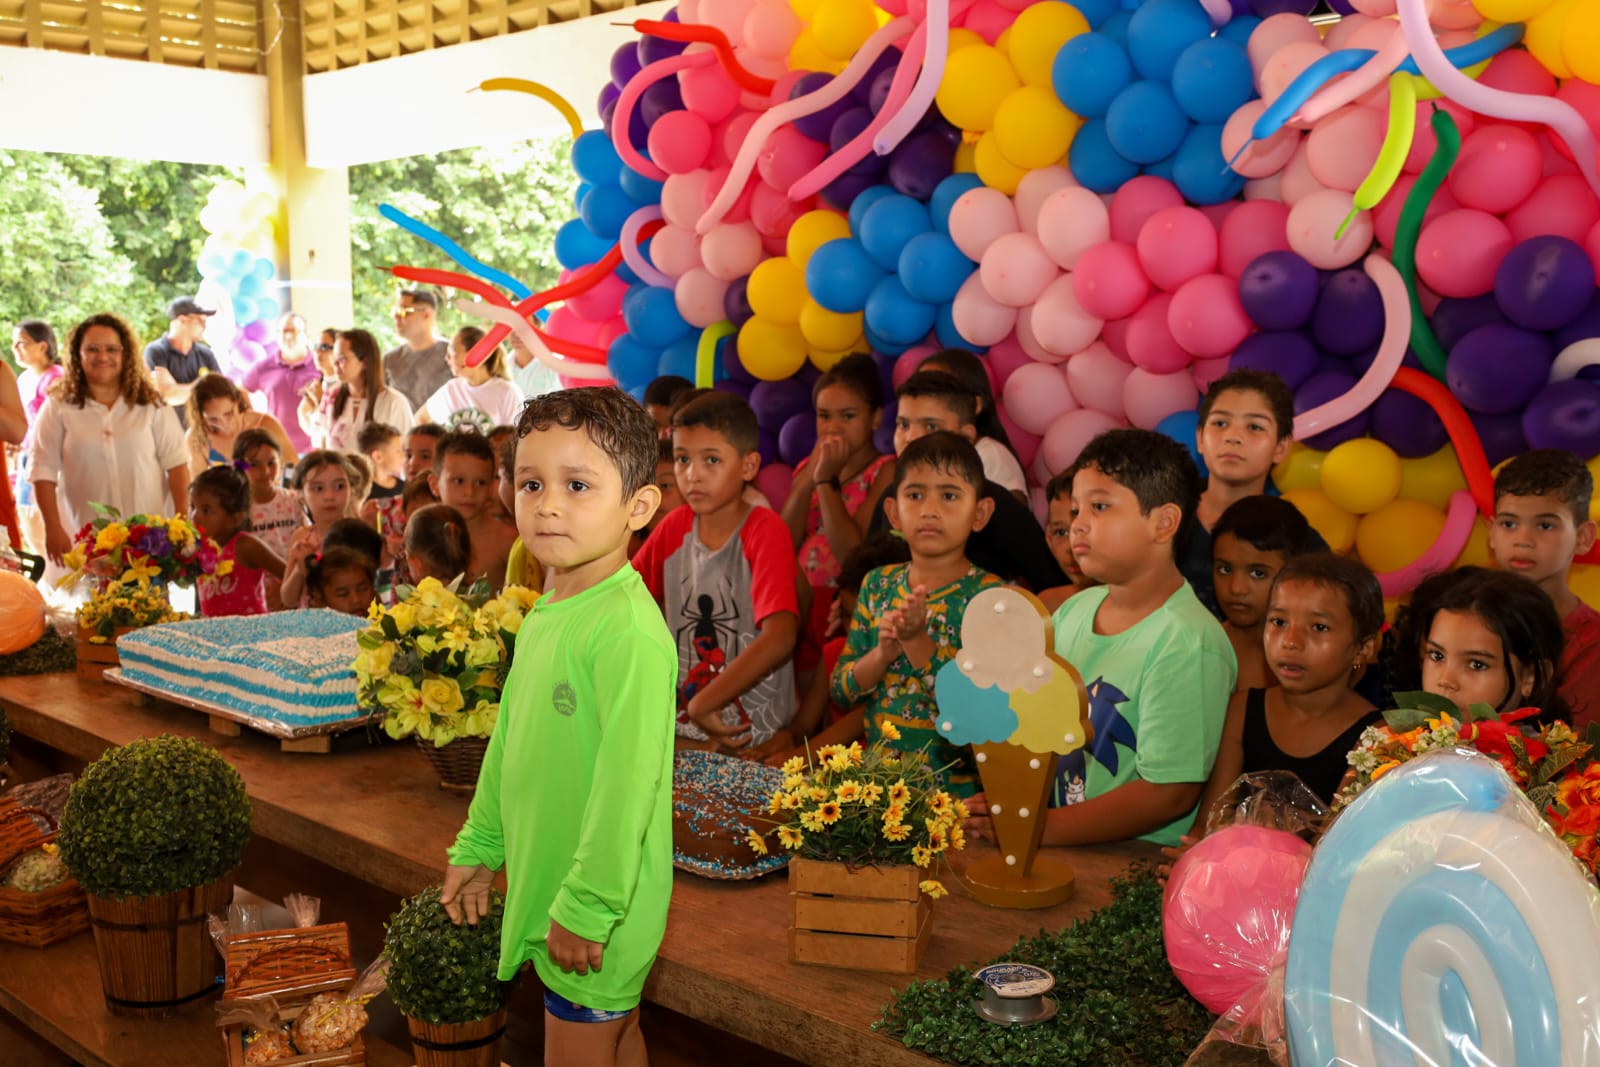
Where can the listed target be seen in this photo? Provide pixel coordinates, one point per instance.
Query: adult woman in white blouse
(105, 436)
(363, 396)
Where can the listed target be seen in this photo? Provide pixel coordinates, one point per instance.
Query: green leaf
(1543, 796)
(1592, 735)
(1430, 702)
(1556, 762)
(1480, 712)
(1402, 720)
(390, 630)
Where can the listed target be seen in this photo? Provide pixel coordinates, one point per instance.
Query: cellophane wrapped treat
(265, 1035)
(303, 910)
(331, 1021)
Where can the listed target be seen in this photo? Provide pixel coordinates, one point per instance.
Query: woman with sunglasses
(317, 397)
(281, 376)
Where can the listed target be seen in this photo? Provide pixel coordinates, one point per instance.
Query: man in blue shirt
(178, 358)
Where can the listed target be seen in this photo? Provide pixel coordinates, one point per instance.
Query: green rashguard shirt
(575, 795)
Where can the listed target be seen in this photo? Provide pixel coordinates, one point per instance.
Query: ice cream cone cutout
(1020, 706)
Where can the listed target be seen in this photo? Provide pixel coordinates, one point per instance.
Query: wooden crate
(866, 918)
(35, 919)
(95, 659)
(291, 966)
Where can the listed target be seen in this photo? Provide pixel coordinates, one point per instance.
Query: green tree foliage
(502, 204)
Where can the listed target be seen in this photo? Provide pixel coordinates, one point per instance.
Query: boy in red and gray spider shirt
(724, 573)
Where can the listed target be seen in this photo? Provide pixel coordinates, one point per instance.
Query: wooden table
(374, 813)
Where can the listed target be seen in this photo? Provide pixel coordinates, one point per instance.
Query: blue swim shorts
(568, 1012)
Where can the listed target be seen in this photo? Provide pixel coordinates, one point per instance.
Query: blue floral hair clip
(241, 465)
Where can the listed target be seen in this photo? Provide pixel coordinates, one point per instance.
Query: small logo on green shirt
(563, 697)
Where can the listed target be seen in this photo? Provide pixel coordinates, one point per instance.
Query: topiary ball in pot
(440, 972)
(154, 816)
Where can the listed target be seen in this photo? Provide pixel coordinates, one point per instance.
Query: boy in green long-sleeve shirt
(575, 796)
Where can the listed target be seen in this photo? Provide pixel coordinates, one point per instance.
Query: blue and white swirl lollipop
(1442, 923)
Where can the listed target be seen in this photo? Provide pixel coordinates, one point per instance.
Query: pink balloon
(1516, 71)
(773, 213)
(733, 133)
(1206, 317)
(770, 29)
(1298, 181)
(1339, 34)
(731, 251)
(1275, 33)
(1554, 153)
(1109, 282)
(1136, 201)
(774, 480)
(1035, 188)
(1500, 165)
(1226, 914)
(1260, 158)
(1388, 54)
(1150, 341)
(1584, 98)
(1343, 146)
(1268, 188)
(935, 45)
(708, 91)
(1176, 244)
(1217, 214)
(688, 64)
(979, 217)
(1016, 269)
(699, 298)
(1313, 223)
(1148, 398)
(1036, 395)
(1423, 141)
(1257, 227)
(1392, 350)
(1069, 434)
(1459, 251)
(1070, 221)
(1115, 336)
(683, 196)
(1206, 371)
(1095, 377)
(727, 16)
(1287, 64)
(675, 251)
(1059, 322)
(1004, 359)
(988, 20)
(1024, 444)
(787, 155)
(680, 141)
(980, 318)
(565, 324)
(601, 302)
(1386, 216)
(1030, 341)
(909, 361)
(1562, 206)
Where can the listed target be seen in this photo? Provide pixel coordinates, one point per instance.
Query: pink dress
(816, 555)
(242, 591)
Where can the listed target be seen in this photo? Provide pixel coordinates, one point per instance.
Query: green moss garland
(1120, 1003)
(49, 654)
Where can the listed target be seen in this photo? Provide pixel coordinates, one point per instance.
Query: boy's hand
(889, 636)
(913, 618)
(466, 893)
(571, 952)
(1172, 855)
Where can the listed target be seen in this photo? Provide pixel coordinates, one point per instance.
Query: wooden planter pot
(457, 764)
(864, 918)
(95, 659)
(156, 956)
(474, 1044)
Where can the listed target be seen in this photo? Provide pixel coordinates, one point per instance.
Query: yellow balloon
(1038, 34)
(840, 27)
(827, 330)
(1510, 10)
(1433, 479)
(1300, 469)
(812, 230)
(1337, 526)
(1033, 129)
(961, 37)
(994, 169)
(806, 9)
(1003, 42)
(1545, 35)
(1477, 553)
(805, 55)
(771, 351)
(1361, 476)
(966, 158)
(1580, 43)
(975, 80)
(824, 360)
(1397, 533)
(1584, 579)
(777, 290)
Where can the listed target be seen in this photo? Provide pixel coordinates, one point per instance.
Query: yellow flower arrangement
(118, 607)
(434, 664)
(862, 807)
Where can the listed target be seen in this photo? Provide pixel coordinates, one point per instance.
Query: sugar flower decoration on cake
(434, 664)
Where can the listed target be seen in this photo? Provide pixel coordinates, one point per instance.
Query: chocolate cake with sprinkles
(716, 801)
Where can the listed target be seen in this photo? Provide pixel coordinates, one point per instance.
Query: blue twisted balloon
(454, 251)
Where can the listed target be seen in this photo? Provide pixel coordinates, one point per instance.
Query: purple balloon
(728, 352)
(258, 331)
(1362, 360)
(249, 352)
(1544, 282)
(775, 403)
(1267, 8)
(1586, 325)
(920, 163)
(608, 95)
(797, 438)
(883, 439)
(845, 128)
(768, 447)
(738, 388)
(807, 376)
(1454, 318)
(1349, 314)
(1565, 415)
(659, 99)
(889, 60)
(736, 301)
(1342, 7)
(1318, 390)
(819, 124)
(843, 190)
(1279, 290)
(1500, 435)
(878, 92)
(1286, 353)
(653, 49)
(1497, 369)
(1407, 425)
(625, 63)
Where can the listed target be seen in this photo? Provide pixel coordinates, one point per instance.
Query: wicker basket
(291, 966)
(457, 764)
(474, 1044)
(155, 953)
(35, 919)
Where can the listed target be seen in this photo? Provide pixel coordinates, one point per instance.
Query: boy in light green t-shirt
(575, 796)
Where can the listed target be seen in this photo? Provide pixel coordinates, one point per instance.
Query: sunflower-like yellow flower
(940, 804)
(899, 793)
(776, 803)
(895, 813)
(791, 802)
(889, 731)
(812, 820)
(961, 809)
(871, 793)
(934, 889)
(829, 813)
(757, 843)
(897, 832)
(790, 838)
(848, 792)
(921, 856)
(794, 781)
(819, 794)
(856, 752)
(938, 841)
(958, 838)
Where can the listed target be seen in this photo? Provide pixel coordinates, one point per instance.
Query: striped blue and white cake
(291, 667)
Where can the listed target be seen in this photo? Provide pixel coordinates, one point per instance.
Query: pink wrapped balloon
(1561, 206)
(1109, 282)
(979, 317)
(1258, 159)
(675, 250)
(601, 302)
(1314, 221)
(770, 29)
(1005, 357)
(1459, 252)
(1071, 221)
(1206, 371)
(680, 141)
(730, 251)
(1095, 377)
(1423, 141)
(1150, 341)
(1297, 182)
(1024, 444)
(709, 92)
(1343, 146)
(1500, 165)
(1386, 216)
(1176, 244)
(1015, 269)
(787, 156)
(1277, 32)
(683, 197)
(1255, 228)
(1036, 188)
(1206, 317)
(1138, 199)
(1227, 911)
(1148, 398)
(1287, 64)
(1069, 433)
(1059, 322)
(978, 218)
(1036, 395)
(698, 295)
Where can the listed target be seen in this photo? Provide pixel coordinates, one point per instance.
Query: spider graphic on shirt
(711, 626)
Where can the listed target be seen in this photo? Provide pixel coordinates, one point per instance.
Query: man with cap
(417, 367)
(178, 358)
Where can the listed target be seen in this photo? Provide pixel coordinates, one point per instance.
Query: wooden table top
(376, 813)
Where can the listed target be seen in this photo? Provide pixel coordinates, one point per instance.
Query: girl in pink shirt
(219, 506)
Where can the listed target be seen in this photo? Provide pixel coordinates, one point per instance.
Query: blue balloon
(1212, 79)
(640, 190)
(604, 211)
(887, 226)
(865, 199)
(1093, 161)
(1097, 11)
(266, 308)
(244, 309)
(1239, 29)
(883, 346)
(213, 265)
(576, 246)
(679, 357)
(1116, 27)
(1161, 168)
(896, 315)
(840, 274)
(250, 286)
(932, 268)
(240, 262)
(583, 190)
(1145, 123)
(945, 194)
(944, 328)
(595, 158)
(651, 315)
(1201, 173)
(264, 270)
(1183, 427)
(631, 363)
(1160, 30)
(1089, 71)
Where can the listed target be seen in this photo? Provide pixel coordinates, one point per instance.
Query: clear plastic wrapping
(331, 1021)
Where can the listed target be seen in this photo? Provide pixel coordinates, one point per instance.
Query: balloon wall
(1117, 201)
(237, 272)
